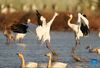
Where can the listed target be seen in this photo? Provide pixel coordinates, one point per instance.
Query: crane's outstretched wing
(38, 18)
(19, 28)
(84, 28)
(84, 24)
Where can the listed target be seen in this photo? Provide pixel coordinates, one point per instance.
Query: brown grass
(59, 24)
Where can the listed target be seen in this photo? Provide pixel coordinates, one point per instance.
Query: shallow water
(62, 42)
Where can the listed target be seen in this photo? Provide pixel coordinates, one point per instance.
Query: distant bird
(9, 36)
(26, 64)
(28, 7)
(99, 34)
(43, 29)
(7, 9)
(54, 64)
(34, 7)
(81, 28)
(93, 50)
(20, 30)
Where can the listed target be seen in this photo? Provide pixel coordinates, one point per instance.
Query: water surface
(62, 42)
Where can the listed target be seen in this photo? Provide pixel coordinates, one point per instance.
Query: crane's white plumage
(84, 18)
(43, 31)
(20, 36)
(75, 28)
(81, 28)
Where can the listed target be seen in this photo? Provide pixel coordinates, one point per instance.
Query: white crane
(81, 28)
(43, 29)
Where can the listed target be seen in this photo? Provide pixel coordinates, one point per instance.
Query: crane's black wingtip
(37, 12)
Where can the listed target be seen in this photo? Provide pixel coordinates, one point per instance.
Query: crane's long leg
(74, 54)
(77, 44)
(48, 45)
(20, 40)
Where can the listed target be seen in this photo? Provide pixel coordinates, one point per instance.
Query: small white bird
(81, 28)
(20, 36)
(26, 65)
(54, 64)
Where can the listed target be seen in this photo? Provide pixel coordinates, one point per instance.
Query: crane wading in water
(43, 30)
(80, 29)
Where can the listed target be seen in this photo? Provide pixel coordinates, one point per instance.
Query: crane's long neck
(49, 62)
(51, 21)
(69, 21)
(44, 23)
(22, 62)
